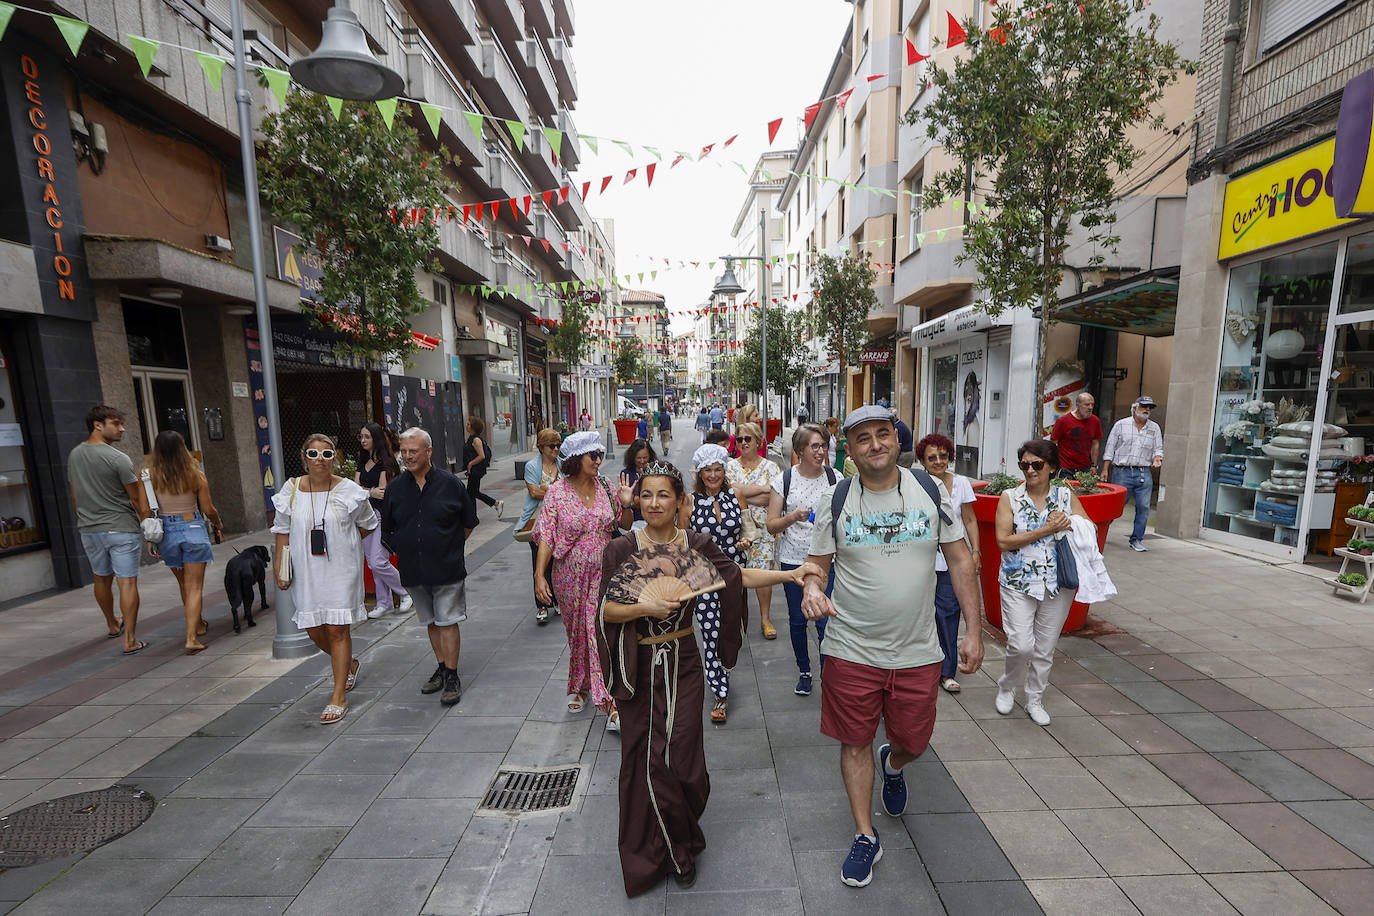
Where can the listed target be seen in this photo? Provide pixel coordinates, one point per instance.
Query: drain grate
(530, 790)
(71, 824)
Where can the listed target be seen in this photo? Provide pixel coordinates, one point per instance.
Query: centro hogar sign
(1284, 200)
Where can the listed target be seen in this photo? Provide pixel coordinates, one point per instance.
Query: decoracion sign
(1276, 203)
(41, 133)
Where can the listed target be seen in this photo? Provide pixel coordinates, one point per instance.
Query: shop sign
(48, 187)
(952, 325)
(877, 356)
(594, 371)
(299, 263)
(1276, 203)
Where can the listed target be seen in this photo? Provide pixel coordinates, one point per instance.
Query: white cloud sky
(680, 76)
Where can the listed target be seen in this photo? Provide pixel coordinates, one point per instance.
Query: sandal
(720, 711)
(950, 685)
(333, 713)
(576, 701)
(613, 721)
(770, 631)
(541, 616)
(352, 680)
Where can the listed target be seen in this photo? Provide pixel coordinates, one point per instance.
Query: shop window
(945, 403)
(918, 202)
(19, 526)
(154, 335)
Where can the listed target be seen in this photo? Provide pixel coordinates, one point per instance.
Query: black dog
(240, 575)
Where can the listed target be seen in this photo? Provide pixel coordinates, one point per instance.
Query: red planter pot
(369, 586)
(774, 429)
(626, 431)
(1103, 508)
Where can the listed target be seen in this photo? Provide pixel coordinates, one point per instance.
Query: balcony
(463, 254)
(537, 76)
(445, 14)
(539, 155)
(539, 16)
(560, 49)
(505, 17)
(506, 183)
(429, 81)
(563, 16)
(571, 154)
(500, 88)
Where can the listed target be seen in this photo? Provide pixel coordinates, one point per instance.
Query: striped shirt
(1130, 446)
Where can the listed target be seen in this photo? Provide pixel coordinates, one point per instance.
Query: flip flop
(333, 713)
(770, 631)
(720, 711)
(352, 680)
(117, 633)
(950, 685)
(139, 647)
(576, 701)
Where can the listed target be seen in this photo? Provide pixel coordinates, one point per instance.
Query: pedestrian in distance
(1079, 436)
(189, 522)
(1034, 607)
(935, 452)
(110, 505)
(803, 414)
(792, 510)
(539, 476)
(584, 420)
(646, 420)
(476, 461)
(717, 437)
(638, 456)
(578, 520)
(880, 532)
(717, 416)
(715, 510)
(320, 524)
(1133, 454)
(377, 467)
(427, 516)
(703, 423)
(906, 456)
(665, 429)
(751, 476)
(832, 431)
(654, 673)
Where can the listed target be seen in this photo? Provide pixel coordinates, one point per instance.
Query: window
(1280, 20)
(921, 39)
(861, 144)
(917, 201)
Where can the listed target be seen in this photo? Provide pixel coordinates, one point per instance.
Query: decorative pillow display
(1304, 429)
(1290, 442)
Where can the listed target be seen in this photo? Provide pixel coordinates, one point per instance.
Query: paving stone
(1347, 891)
(1064, 783)
(221, 906)
(993, 785)
(19, 883)
(498, 864)
(745, 855)
(242, 720)
(186, 758)
(980, 897)
(73, 722)
(1213, 695)
(603, 778)
(1085, 736)
(809, 770)
(320, 801)
(1120, 843)
(1114, 670)
(743, 795)
(1038, 845)
(262, 861)
(1337, 768)
(930, 788)
(118, 761)
(1348, 822)
(1268, 893)
(1147, 734)
(412, 716)
(1101, 699)
(550, 743)
(568, 882)
(1280, 777)
(124, 722)
(1339, 729)
(14, 751)
(825, 822)
(732, 748)
(1273, 730)
(773, 902)
(1210, 732)
(957, 847)
(1286, 837)
(364, 755)
(182, 828)
(470, 734)
(1081, 897)
(243, 774)
(592, 827)
(1207, 779)
(368, 886)
(1206, 842)
(1265, 692)
(900, 884)
(801, 728)
(1167, 895)
(1016, 736)
(962, 741)
(60, 759)
(1155, 697)
(490, 700)
(444, 776)
(120, 886)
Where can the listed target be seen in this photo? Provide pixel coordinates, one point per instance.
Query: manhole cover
(530, 790)
(71, 824)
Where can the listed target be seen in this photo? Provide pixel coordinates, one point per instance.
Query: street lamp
(343, 66)
(729, 286)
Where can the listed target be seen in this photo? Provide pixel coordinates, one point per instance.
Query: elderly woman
(934, 452)
(539, 476)
(751, 476)
(1034, 608)
(717, 512)
(746, 416)
(576, 523)
(322, 518)
(648, 651)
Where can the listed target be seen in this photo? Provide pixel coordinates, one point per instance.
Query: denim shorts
(114, 553)
(185, 542)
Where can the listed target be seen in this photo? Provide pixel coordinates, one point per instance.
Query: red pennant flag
(583, 249)
(495, 209)
(545, 243)
(912, 55)
(877, 76)
(649, 173)
(843, 99)
(810, 114)
(956, 32)
(705, 151)
(773, 127)
(514, 208)
(630, 176)
(999, 34)
(563, 195)
(528, 199)
(467, 209)
(566, 248)
(731, 140)
(548, 198)
(586, 188)
(479, 211)
(675, 162)
(605, 183)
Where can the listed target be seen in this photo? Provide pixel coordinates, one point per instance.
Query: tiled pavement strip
(1219, 758)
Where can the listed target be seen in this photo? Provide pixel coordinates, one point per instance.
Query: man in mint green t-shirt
(883, 656)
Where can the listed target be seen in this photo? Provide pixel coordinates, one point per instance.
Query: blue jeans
(947, 614)
(1138, 483)
(185, 541)
(797, 621)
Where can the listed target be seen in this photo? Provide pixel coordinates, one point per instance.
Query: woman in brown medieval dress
(653, 670)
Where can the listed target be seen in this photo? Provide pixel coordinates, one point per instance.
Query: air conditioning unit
(218, 243)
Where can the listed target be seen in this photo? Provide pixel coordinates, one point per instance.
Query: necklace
(651, 539)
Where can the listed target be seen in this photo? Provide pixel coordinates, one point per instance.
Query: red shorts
(853, 696)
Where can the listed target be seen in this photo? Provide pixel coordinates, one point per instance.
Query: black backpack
(841, 492)
(787, 483)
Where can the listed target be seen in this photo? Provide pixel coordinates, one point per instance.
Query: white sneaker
(500, 507)
(1006, 701)
(378, 611)
(1037, 713)
(406, 604)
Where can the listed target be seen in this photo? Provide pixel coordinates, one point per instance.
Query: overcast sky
(679, 76)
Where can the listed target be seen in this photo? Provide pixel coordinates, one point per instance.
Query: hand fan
(672, 571)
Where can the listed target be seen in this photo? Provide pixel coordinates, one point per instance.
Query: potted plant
(1352, 580)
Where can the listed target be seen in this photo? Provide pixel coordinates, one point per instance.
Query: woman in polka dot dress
(715, 510)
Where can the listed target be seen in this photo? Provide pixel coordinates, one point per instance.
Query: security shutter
(1281, 19)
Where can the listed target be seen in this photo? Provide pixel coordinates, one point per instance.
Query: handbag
(525, 533)
(1065, 565)
(151, 526)
(284, 551)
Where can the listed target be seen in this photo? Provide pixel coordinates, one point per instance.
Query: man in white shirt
(1134, 450)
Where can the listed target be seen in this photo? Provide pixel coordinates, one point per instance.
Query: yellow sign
(1276, 203)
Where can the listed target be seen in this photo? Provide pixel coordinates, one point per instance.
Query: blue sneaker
(894, 787)
(803, 688)
(857, 870)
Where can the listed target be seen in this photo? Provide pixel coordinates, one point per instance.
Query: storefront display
(19, 528)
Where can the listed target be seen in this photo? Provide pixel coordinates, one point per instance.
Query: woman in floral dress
(751, 477)
(577, 522)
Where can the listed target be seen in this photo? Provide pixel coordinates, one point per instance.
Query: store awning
(1143, 303)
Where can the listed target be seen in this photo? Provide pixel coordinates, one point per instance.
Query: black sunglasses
(1035, 465)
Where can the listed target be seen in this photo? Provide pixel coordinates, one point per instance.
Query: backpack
(787, 483)
(841, 492)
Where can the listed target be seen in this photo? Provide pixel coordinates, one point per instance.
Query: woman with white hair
(717, 512)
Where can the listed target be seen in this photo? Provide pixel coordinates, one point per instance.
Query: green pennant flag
(920, 238)
(653, 275)
(940, 234)
(590, 141)
(710, 265)
(432, 114)
(486, 291)
(277, 80)
(145, 49)
(957, 205)
(629, 150)
(335, 105)
(73, 30)
(388, 109)
(475, 122)
(6, 11)
(555, 138)
(213, 67)
(653, 152)
(684, 154)
(880, 243)
(517, 133)
(791, 257)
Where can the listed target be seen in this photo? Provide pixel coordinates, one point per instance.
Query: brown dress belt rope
(666, 637)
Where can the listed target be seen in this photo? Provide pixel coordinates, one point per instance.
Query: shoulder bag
(1065, 566)
(151, 526)
(284, 552)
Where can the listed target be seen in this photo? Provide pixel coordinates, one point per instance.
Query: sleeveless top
(726, 530)
(369, 479)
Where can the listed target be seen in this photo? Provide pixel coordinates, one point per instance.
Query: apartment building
(149, 305)
(759, 232)
(643, 322)
(1275, 296)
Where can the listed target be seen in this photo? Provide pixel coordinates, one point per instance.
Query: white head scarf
(709, 454)
(582, 443)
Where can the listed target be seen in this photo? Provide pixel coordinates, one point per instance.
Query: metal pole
(763, 303)
(290, 641)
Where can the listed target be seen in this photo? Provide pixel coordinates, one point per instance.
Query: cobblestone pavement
(1217, 758)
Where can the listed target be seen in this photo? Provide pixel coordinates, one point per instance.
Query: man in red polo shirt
(1079, 436)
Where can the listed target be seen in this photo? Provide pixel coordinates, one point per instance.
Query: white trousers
(1032, 626)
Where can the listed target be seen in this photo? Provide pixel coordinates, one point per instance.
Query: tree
(336, 179)
(1040, 107)
(842, 298)
(628, 363)
(571, 341)
(788, 360)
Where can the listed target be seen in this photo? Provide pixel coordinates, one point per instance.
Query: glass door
(164, 400)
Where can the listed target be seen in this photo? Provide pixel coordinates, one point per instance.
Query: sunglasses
(1030, 465)
(939, 456)
(315, 454)
(596, 456)
(744, 438)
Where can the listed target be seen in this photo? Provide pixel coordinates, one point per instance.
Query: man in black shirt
(427, 516)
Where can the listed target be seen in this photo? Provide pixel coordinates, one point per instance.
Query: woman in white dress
(323, 519)
(934, 452)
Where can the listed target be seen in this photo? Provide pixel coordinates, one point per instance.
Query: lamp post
(342, 67)
(729, 286)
